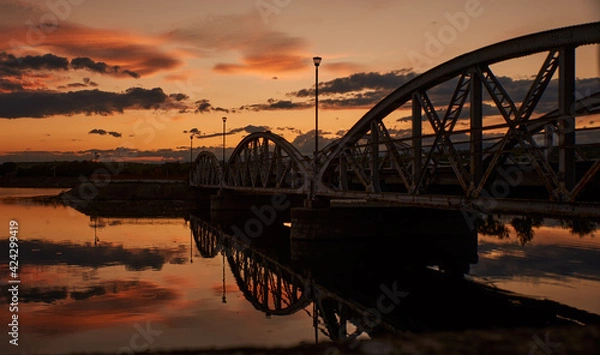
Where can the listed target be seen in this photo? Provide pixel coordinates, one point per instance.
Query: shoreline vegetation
(70, 174)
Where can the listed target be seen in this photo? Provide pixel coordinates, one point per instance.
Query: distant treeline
(171, 170)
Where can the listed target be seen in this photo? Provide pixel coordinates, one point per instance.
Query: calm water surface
(90, 284)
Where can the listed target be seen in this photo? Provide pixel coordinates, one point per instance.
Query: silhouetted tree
(579, 227)
(8, 168)
(524, 228)
(492, 227)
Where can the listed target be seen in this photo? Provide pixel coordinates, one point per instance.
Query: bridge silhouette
(458, 156)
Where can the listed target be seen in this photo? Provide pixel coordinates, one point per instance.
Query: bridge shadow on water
(369, 288)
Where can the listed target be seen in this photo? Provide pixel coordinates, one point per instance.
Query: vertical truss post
(375, 157)
(548, 140)
(416, 140)
(476, 103)
(343, 172)
(566, 126)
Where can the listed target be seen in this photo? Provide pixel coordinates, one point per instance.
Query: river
(125, 285)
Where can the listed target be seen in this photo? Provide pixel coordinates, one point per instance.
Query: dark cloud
(273, 104)
(39, 104)
(193, 131)
(364, 90)
(98, 67)
(9, 85)
(359, 82)
(220, 109)
(46, 61)
(179, 96)
(289, 129)
(131, 73)
(86, 83)
(247, 129)
(204, 106)
(305, 142)
(14, 66)
(360, 90)
(103, 132)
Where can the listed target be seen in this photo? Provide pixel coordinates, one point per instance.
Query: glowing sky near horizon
(88, 83)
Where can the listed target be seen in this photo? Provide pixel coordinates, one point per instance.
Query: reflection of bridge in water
(383, 297)
(535, 160)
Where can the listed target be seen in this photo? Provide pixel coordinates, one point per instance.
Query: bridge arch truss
(471, 135)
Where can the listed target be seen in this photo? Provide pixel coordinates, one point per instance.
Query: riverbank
(548, 340)
(133, 198)
(39, 182)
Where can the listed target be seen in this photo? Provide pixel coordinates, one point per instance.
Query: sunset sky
(78, 76)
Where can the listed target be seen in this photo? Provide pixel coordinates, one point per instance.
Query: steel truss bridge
(473, 147)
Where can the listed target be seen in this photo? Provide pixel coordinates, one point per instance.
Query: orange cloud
(343, 67)
(136, 53)
(260, 50)
(267, 63)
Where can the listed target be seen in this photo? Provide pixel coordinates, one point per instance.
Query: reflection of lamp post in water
(191, 247)
(95, 219)
(224, 294)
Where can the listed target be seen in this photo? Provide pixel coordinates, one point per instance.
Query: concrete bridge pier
(234, 205)
(253, 217)
(408, 235)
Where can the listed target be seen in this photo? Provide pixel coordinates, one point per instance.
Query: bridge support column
(269, 209)
(448, 242)
(566, 126)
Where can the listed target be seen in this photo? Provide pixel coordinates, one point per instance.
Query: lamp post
(191, 157)
(224, 122)
(223, 157)
(316, 61)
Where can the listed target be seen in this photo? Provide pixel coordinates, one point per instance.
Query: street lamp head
(224, 119)
(317, 61)
(192, 136)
